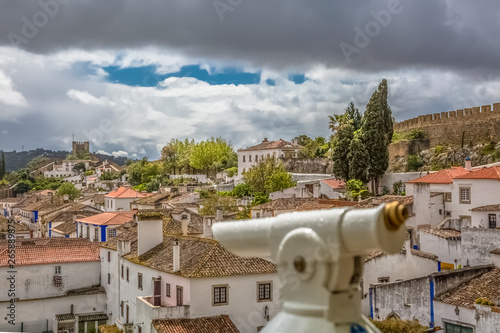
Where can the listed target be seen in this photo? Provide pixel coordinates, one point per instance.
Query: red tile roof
(325, 204)
(109, 218)
(278, 144)
(444, 176)
(484, 173)
(51, 252)
(126, 192)
(443, 233)
(334, 183)
(219, 324)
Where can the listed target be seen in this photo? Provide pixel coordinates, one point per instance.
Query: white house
(6, 205)
(252, 155)
(333, 188)
(53, 279)
(150, 275)
(102, 227)
(303, 190)
(486, 216)
(445, 244)
(65, 169)
(121, 198)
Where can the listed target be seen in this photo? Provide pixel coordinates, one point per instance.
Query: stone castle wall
(81, 147)
(463, 126)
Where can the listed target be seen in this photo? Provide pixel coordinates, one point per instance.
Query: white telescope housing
(320, 257)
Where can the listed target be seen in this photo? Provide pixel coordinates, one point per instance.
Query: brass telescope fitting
(395, 215)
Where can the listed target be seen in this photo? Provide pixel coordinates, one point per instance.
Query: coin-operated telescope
(320, 256)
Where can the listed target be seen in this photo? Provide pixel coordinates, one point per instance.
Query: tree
(356, 188)
(314, 148)
(2, 166)
(358, 158)
(352, 114)
(37, 162)
(377, 133)
(214, 201)
(215, 154)
(79, 167)
(23, 186)
(268, 175)
(68, 189)
(176, 155)
(302, 140)
(341, 144)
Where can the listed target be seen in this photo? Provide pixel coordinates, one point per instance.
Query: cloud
(86, 98)
(8, 95)
(120, 153)
(389, 34)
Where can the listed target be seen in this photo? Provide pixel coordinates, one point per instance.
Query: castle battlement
(458, 116)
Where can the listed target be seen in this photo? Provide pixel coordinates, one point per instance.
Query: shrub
(413, 163)
(398, 188)
(488, 149)
(438, 149)
(416, 134)
(398, 326)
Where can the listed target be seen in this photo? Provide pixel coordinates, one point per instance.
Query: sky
(129, 76)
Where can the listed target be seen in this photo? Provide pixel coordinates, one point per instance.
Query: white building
(445, 244)
(303, 190)
(60, 281)
(65, 169)
(280, 149)
(150, 275)
(102, 227)
(121, 198)
(333, 188)
(6, 205)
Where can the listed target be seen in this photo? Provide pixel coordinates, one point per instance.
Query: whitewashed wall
(447, 250)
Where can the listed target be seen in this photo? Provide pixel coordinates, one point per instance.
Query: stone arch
(393, 315)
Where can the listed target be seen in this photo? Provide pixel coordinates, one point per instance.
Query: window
(184, 217)
(454, 328)
(220, 295)
(139, 329)
(447, 213)
(121, 308)
(111, 233)
(96, 234)
(109, 278)
(127, 318)
(249, 158)
(180, 296)
(256, 158)
(384, 279)
(167, 288)
(447, 196)
(127, 275)
(465, 195)
(122, 271)
(243, 158)
(57, 270)
(492, 221)
(139, 281)
(109, 256)
(264, 291)
(88, 232)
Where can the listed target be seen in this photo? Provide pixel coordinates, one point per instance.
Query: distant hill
(16, 160)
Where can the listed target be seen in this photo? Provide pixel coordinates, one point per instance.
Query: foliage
(488, 149)
(23, 186)
(144, 172)
(89, 173)
(42, 183)
(109, 175)
(215, 154)
(398, 188)
(80, 167)
(3, 183)
(342, 143)
(485, 301)
(176, 155)
(2, 166)
(232, 171)
(268, 175)
(302, 140)
(37, 162)
(397, 326)
(438, 149)
(385, 191)
(78, 156)
(68, 189)
(243, 214)
(356, 188)
(352, 114)
(313, 148)
(414, 162)
(109, 329)
(358, 158)
(242, 190)
(140, 187)
(214, 201)
(415, 134)
(259, 199)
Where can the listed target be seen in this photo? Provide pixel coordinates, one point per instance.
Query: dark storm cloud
(453, 34)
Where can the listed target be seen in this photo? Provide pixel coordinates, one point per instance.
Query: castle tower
(81, 147)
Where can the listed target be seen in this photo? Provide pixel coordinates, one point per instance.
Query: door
(492, 218)
(157, 292)
(180, 301)
(127, 318)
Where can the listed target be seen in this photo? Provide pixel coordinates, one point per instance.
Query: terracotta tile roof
(444, 176)
(495, 251)
(10, 200)
(65, 228)
(153, 199)
(278, 144)
(126, 192)
(465, 295)
(374, 254)
(484, 173)
(488, 208)
(20, 227)
(443, 233)
(325, 204)
(47, 204)
(334, 183)
(109, 218)
(200, 258)
(418, 253)
(174, 227)
(219, 324)
(283, 204)
(376, 201)
(51, 252)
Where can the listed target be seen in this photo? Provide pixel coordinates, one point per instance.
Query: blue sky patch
(298, 78)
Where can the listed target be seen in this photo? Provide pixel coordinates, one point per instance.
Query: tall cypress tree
(341, 150)
(386, 111)
(352, 113)
(358, 159)
(375, 139)
(2, 166)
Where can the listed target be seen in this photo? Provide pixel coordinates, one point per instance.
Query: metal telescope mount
(320, 256)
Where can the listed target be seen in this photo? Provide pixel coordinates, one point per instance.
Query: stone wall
(477, 244)
(308, 165)
(407, 148)
(476, 124)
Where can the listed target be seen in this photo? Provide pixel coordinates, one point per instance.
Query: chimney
(468, 163)
(176, 256)
(219, 215)
(184, 227)
(149, 233)
(265, 140)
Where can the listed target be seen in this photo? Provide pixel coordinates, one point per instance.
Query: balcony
(148, 311)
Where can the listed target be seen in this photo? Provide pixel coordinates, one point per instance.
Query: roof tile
(219, 324)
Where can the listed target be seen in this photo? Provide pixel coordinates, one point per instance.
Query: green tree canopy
(215, 154)
(268, 175)
(358, 158)
(341, 144)
(80, 167)
(213, 201)
(68, 189)
(2, 166)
